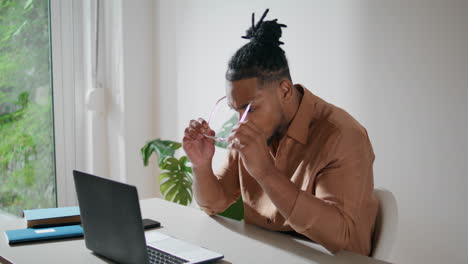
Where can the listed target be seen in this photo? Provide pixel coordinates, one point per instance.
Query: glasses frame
(213, 109)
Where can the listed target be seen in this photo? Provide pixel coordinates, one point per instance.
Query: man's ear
(286, 90)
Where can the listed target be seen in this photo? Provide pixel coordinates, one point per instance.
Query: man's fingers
(244, 130)
(239, 143)
(193, 134)
(203, 123)
(240, 138)
(188, 133)
(248, 128)
(251, 126)
(199, 125)
(204, 127)
(210, 132)
(195, 124)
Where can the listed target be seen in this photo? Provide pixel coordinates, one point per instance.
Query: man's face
(265, 112)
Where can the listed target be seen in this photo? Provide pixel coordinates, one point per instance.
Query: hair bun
(265, 32)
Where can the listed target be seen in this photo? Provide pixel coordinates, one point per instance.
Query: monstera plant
(175, 180)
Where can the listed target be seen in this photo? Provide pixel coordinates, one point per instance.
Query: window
(27, 160)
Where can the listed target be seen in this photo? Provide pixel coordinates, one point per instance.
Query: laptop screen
(111, 218)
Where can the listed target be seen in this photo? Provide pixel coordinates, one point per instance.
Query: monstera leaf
(176, 182)
(162, 148)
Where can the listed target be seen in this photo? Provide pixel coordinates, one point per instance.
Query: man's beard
(277, 133)
(283, 127)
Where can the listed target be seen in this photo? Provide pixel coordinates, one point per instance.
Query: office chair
(386, 224)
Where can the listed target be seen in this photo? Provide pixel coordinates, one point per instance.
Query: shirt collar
(299, 127)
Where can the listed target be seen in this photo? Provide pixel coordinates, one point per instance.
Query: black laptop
(112, 224)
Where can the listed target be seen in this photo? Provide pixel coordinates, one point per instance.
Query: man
(300, 163)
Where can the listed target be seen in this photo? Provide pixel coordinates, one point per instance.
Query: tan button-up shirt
(327, 154)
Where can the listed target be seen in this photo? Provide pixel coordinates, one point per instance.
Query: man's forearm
(207, 190)
(281, 191)
(330, 227)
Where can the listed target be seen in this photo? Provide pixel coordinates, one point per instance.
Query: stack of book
(49, 223)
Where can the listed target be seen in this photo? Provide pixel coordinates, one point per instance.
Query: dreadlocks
(262, 57)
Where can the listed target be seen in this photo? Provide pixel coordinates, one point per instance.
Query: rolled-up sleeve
(329, 213)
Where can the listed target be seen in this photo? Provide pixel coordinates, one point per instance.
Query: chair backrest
(386, 224)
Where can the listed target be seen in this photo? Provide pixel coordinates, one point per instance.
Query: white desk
(239, 242)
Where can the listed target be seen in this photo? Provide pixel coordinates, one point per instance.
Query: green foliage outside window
(27, 169)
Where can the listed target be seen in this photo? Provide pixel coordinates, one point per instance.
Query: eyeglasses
(223, 131)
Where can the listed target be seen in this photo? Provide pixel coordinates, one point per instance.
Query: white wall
(413, 89)
(400, 67)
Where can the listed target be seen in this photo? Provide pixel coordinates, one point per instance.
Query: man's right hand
(199, 149)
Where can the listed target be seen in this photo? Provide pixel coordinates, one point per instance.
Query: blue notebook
(36, 234)
(52, 216)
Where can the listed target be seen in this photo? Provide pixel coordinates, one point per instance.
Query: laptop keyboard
(161, 257)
